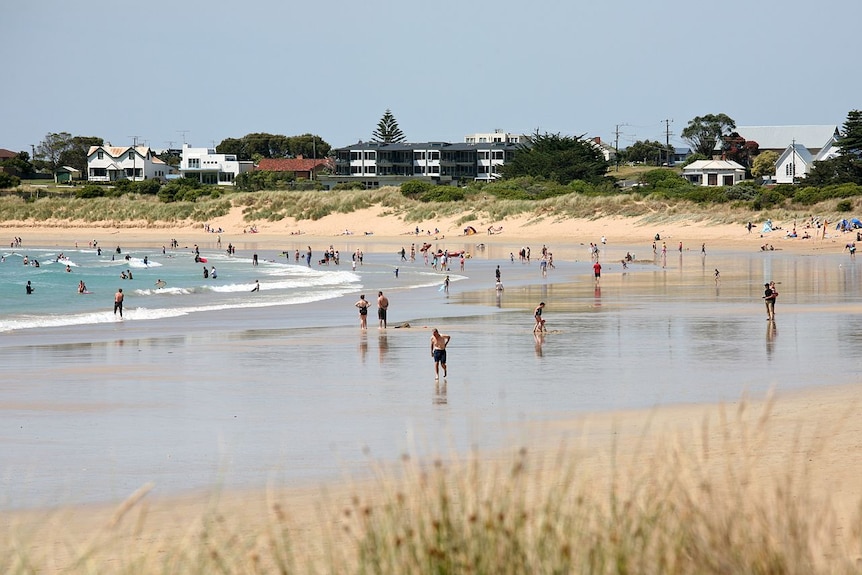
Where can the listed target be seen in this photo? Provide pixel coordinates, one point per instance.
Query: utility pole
(667, 124)
(183, 132)
(617, 147)
(134, 157)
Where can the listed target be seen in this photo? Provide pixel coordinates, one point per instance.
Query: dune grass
(147, 211)
(661, 504)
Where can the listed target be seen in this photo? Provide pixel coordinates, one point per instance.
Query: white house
(796, 160)
(714, 173)
(212, 168)
(112, 163)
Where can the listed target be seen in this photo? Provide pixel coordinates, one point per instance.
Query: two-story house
(208, 167)
(112, 163)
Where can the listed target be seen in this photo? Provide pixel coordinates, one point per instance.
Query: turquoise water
(56, 302)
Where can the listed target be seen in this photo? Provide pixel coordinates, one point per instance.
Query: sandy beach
(802, 427)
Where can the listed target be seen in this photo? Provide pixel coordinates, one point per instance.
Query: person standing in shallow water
(383, 306)
(769, 300)
(118, 302)
(362, 304)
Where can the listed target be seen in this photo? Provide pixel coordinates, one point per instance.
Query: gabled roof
(779, 137)
(707, 165)
(117, 151)
(6, 154)
(68, 169)
(802, 154)
(291, 164)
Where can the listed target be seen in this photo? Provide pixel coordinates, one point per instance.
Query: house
(680, 155)
(609, 153)
(7, 154)
(112, 163)
(714, 173)
(208, 167)
(377, 164)
(65, 174)
(302, 168)
(796, 160)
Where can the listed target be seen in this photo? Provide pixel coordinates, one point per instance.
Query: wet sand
(245, 398)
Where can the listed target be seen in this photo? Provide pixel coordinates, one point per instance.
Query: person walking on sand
(439, 341)
(382, 306)
(362, 304)
(446, 284)
(540, 323)
(597, 271)
(118, 302)
(717, 277)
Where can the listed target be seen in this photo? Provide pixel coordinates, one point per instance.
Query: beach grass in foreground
(713, 502)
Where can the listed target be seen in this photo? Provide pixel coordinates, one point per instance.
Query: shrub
(415, 189)
(90, 191)
(443, 194)
(844, 206)
(8, 181)
(348, 186)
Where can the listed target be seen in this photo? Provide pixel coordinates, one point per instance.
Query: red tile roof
(292, 164)
(6, 154)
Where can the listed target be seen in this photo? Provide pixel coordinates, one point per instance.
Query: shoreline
(814, 414)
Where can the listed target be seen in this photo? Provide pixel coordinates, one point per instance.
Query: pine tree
(850, 140)
(387, 130)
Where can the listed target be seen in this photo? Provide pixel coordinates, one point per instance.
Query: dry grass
(661, 504)
(149, 212)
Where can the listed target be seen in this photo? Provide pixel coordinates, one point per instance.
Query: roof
(707, 165)
(6, 154)
(801, 152)
(68, 169)
(419, 146)
(779, 137)
(291, 164)
(117, 151)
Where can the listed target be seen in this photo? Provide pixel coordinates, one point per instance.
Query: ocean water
(165, 285)
(199, 386)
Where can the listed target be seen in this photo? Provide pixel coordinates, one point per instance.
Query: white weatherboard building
(112, 163)
(714, 173)
(212, 168)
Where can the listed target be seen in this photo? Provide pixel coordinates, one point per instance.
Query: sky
(161, 73)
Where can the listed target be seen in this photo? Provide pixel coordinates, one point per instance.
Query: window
(712, 179)
(225, 177)
(497, 155)
(435, 155)
(370, 169)
(355, 169)
(194, 163)
(789, 170)
(418, 156)
(371, 155)
(100, 155)
(98, 172)
(131, 155)
(355, 156)
(434, 169)
(484, 155)
(418, 170)
(483, 169)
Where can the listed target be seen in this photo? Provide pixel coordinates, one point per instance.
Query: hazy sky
(206, 71)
